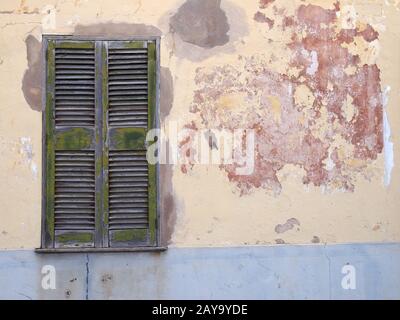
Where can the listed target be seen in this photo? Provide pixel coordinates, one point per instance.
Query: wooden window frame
(44, 225)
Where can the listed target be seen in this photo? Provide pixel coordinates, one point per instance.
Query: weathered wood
(110, 113)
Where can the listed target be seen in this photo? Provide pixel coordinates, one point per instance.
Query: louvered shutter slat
(125, 61)
(74, 92)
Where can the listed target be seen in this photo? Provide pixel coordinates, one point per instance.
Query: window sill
(99, 250)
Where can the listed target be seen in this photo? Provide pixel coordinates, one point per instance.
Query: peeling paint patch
(261, 17)
(106, 277)
(288, 225)
(322, 114)
(315, 239)
(377, 226)
(264, 3)
(202, 23)
(26, 150)
(388, 144)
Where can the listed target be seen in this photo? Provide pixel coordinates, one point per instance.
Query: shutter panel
(130, 182)
(70, 145)
(100, 103)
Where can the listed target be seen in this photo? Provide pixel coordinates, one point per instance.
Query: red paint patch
(285, 133)
(313, 16)
(365, 130)
(287, 22)
(369, 34)
(264, 3)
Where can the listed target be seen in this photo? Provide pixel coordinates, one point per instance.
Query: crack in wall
(87, 277)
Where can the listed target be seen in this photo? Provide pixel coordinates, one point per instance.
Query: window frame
(45, 42)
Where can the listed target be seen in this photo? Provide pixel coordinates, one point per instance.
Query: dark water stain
(315, 239)
(32, 79)
(202, 23)
(166, 92)
(168, 205)
(106, 277)
(68, 293)
(288, 225)
(212, 40)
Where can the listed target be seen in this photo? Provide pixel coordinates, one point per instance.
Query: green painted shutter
(70, 140)
(130, 185)
(100, 103)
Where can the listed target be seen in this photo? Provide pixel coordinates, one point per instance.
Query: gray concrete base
(254, 272)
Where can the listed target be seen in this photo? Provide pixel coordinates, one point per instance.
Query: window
(101, 99)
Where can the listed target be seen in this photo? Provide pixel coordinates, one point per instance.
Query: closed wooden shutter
(100, 102)
(131, 184)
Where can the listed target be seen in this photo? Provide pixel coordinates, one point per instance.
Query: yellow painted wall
(210, 209)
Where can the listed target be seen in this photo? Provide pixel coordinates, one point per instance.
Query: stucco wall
(326, 128)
